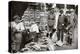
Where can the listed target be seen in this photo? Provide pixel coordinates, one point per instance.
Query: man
(51, 19)
(66, 24)
(34, 29)
(55, 17)
(73, 21)
(17, 28)
(25, 34)
(60, 28)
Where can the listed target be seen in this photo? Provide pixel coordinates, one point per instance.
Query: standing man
(26, 37)
(34, 29)
(17, 28)
(73, 20)
(60, 28)
(51, 20)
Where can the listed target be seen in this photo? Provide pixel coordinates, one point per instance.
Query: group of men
(64, 25)
(22, 34)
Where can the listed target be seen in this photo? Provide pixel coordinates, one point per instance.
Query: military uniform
(17, 29)
(60, 27)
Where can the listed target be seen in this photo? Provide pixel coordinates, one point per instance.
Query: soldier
(26, 37)
(34, 29)
(17, 28)
(51, 19)
(72, 25)
(60, 28)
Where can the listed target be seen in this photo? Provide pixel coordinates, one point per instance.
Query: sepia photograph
(37, 27)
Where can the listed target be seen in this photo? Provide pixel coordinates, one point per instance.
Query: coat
(61, 21)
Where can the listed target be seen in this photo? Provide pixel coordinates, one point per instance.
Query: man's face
(56, 10)
(17, 20)
(61, 11)
(26, 23)
(72, 12)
